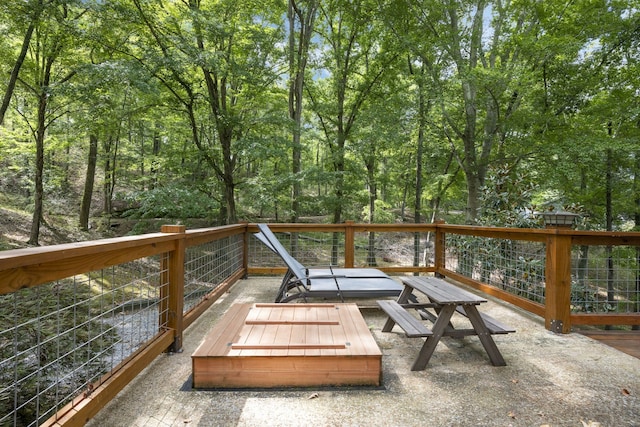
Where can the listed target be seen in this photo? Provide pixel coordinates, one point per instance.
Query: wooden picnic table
(445, 299)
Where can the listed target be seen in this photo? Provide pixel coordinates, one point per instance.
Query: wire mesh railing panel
(311, 249)
(515, 266)
(208, 265)
(605, 279)
(392, 249)
(58, 339)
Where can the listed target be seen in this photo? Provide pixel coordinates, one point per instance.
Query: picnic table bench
(445, 299)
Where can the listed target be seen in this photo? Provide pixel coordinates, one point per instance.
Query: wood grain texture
(276, 345)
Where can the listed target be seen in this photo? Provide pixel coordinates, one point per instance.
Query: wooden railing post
(439, 249)
(558, 283)
(349, 244)
(245, 249)
(172, 296)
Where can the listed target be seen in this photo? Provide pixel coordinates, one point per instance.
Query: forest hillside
(62, 227)
(15, 225)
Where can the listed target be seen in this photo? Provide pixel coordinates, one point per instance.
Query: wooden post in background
(245, 249)
(439, 249)
(558, 283)
(172, 295)
(349, 244)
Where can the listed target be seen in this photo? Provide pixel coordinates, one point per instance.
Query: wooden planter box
(284, 345)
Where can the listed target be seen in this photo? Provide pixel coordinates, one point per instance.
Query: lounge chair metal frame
(329, 282)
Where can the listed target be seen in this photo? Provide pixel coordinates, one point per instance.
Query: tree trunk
(217, 98)
(85, 206)
(373, 196)
(338, 161)
(155, 159)
(609, 220)
(13, 78)
(228, 178)
(473, 197)
(298, 56)
(422, 122)
(34, 235)
(41, 128)
(110, 150)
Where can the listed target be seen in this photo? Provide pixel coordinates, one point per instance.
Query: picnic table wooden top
(440, 291)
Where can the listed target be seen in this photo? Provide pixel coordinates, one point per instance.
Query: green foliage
(175, 201)
(507, 199)
(517, 93)
(382, 213)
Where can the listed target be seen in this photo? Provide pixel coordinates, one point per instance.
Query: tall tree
(230, 45)
(355, 60)
(17, 14)
(301, 17)
(477, 75)
(53, 40)
(85, 205)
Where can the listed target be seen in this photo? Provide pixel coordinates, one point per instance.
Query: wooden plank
(295, 371)
(493, 325)
(440, 291)
(56, 264)
(349, 314)
(225, 331)
(291, 322)
(354, 324)
(325, 332)
(339, 335)
(286, 346)
(312, 334)
(292, 305)
(201, 236)
(412, 327)
(280, 333)
(625, 341)
(247, 334)
(298, 331)
(605, 319)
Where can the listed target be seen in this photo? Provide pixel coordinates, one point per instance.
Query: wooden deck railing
(537, 270)
(562, 273)
(91, 266)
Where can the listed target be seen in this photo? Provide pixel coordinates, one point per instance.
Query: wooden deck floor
(625, 341)
(274, 345)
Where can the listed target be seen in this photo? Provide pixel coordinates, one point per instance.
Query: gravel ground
(549, 380)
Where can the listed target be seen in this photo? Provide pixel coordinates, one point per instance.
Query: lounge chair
(329, 282)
